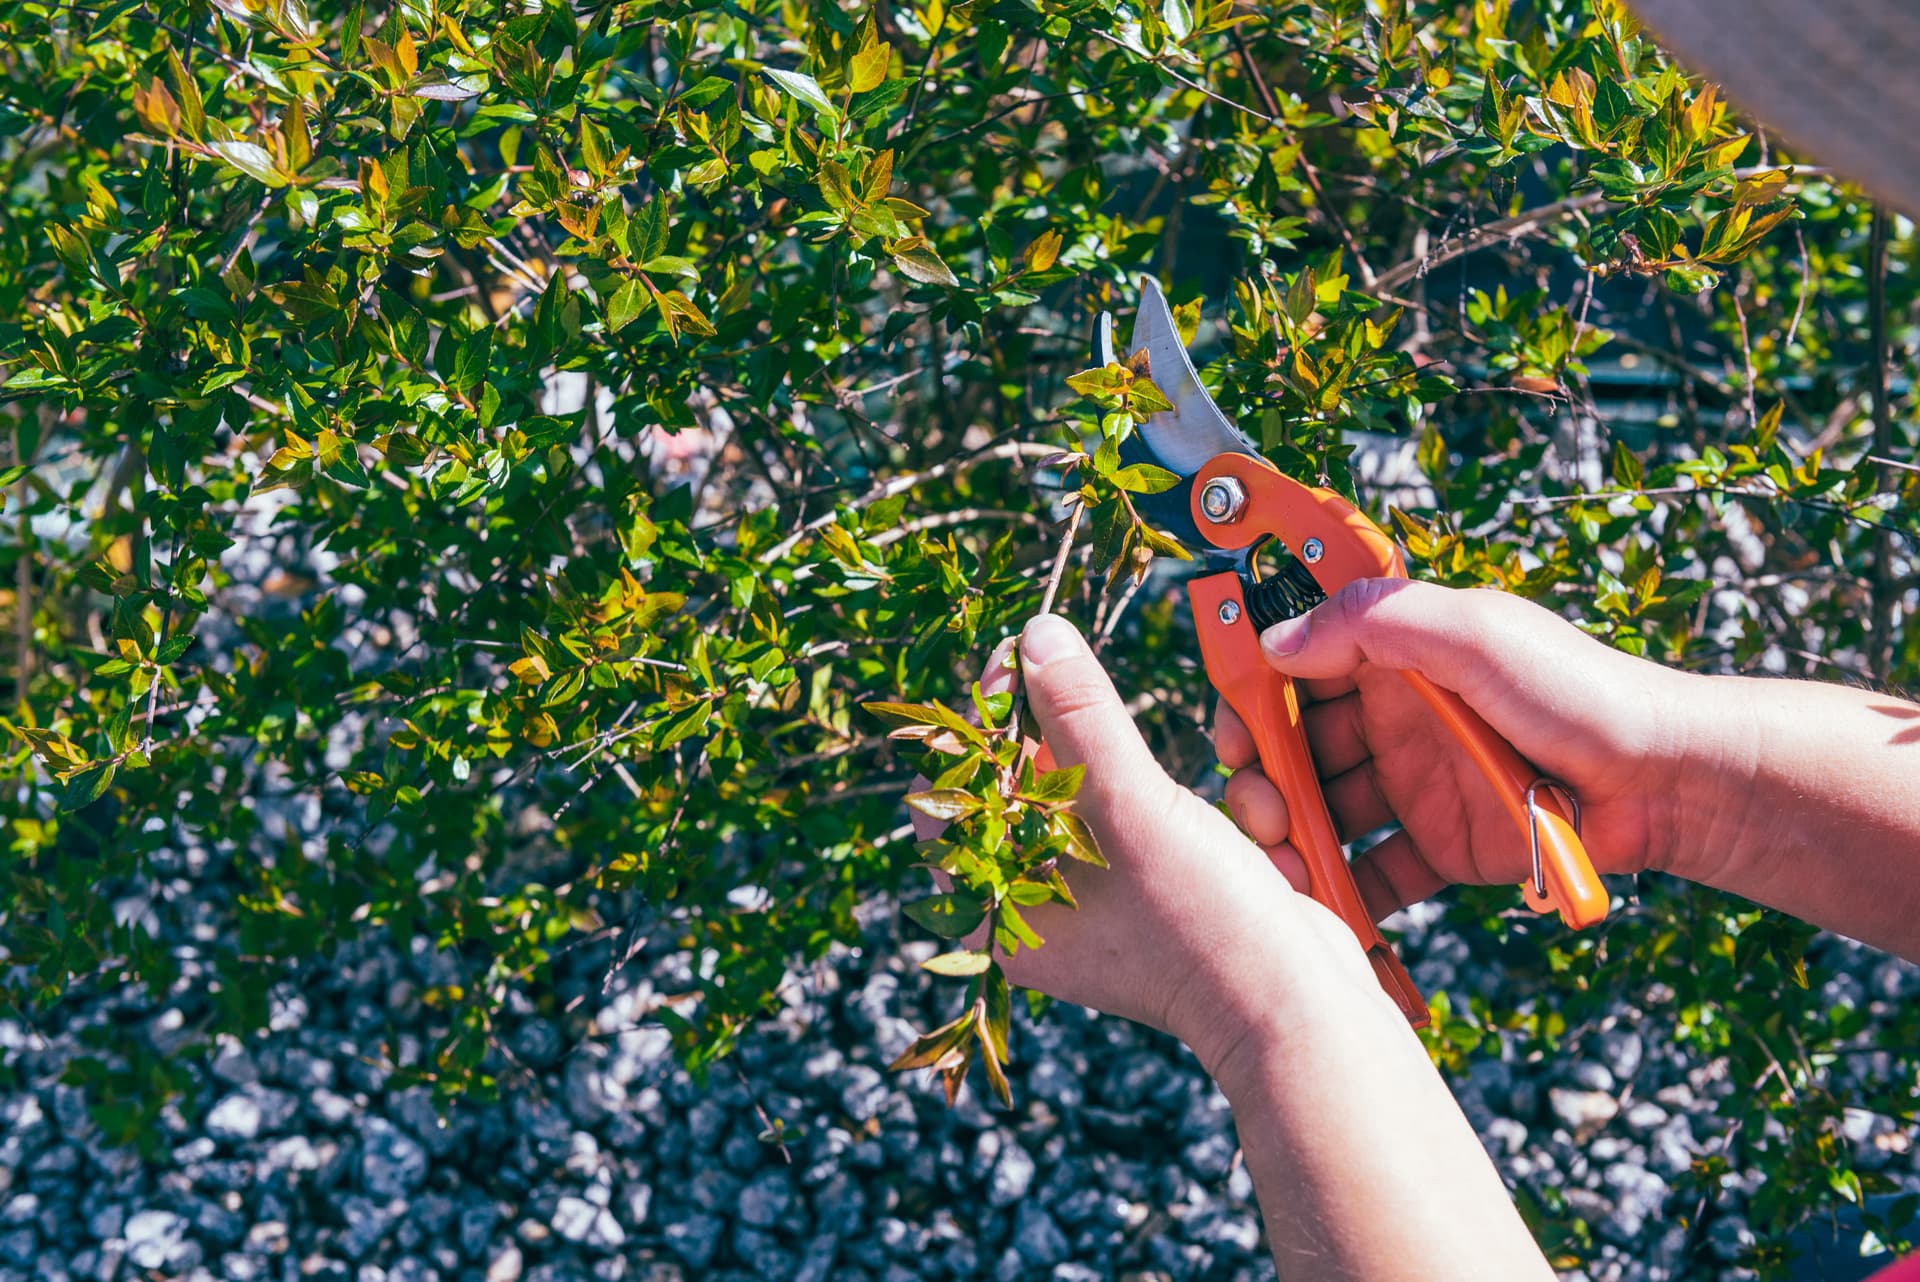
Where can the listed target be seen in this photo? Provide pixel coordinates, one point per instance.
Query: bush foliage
(471, 463)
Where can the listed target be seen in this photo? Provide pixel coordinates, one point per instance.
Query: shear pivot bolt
(1221, 499)
(1312, 550)
(1229, 612)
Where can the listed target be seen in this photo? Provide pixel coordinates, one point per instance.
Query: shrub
(471, 462)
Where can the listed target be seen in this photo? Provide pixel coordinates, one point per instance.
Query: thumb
(1465, 640)
(1081, 717)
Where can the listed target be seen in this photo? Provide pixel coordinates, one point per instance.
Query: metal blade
(1194, 430)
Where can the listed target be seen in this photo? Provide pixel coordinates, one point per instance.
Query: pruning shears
(1229, 504)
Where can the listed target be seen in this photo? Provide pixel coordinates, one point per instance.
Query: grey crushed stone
(307, 1155)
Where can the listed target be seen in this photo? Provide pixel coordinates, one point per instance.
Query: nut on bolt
(1229, 612)
(1222, 499)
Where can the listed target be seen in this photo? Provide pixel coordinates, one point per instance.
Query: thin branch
(1806, 287)
(1307, 169)
(1194, 85)
(1892, 463)
(901, 484)
(1104, 632)
(1746, 353)
(1523, 224)
(961, 516)
(246, 232)
(1047, 598)
(1060, 558)
(1885, 592)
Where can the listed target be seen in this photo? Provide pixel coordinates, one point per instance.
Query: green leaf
(339, 459)
(472, 358)
(1147, 399)
(251, 159)
(1431, 456)
(805, 89)
(1011, 931)
(1101, 382)
(1160, 543)
(1145, 478)
(1186, 320)
(1079, 837)
(649, 231)
(1178, 17)
(628, 301)
(1628, 472)
(87, 786)
(682, 725)
(950, 916)
(1056, 786)
(916, 258)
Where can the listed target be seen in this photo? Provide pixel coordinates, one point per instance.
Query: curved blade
(1194, 430)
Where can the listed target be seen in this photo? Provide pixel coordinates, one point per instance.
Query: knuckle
(1364, 598)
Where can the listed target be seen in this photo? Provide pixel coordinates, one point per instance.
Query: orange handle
(1267, 703)
(1353, 547)
(1572, 888)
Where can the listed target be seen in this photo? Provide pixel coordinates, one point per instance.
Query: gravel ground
(299, 1157)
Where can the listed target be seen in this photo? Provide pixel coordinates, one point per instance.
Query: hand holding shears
(1229, 503)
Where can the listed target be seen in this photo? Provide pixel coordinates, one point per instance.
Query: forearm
(1363, 1163)
(1806, 797)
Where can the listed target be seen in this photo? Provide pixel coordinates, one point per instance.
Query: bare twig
(1112, 620)
(166, 629)
(1806, 287)
(246, 232)
(759, 1110)
(1525, 223)
(1060, 557)
(901, 484)
(1746, 353)
(1885, 592)
(1194, 85)
(632, 938)
(1047, 598)
(1307, 169)
(939, 520)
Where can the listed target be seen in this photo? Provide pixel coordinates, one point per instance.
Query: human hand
(1613, 728)
(1191, 929)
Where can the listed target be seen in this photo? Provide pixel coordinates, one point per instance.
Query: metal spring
(1286, 594)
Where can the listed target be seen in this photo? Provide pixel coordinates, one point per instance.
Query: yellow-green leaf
(958, 965)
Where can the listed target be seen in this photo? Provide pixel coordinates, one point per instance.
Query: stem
(1746, 353)
(1521, 224)
(1047, 598)
(1307, 170)
(1060, 558)
(1885, 590)
(901, 484)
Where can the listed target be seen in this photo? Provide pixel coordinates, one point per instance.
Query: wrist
(1708, 780)
(1304, 977)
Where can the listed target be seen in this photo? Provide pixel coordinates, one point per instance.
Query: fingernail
(1285, 637)
(1048, 639)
